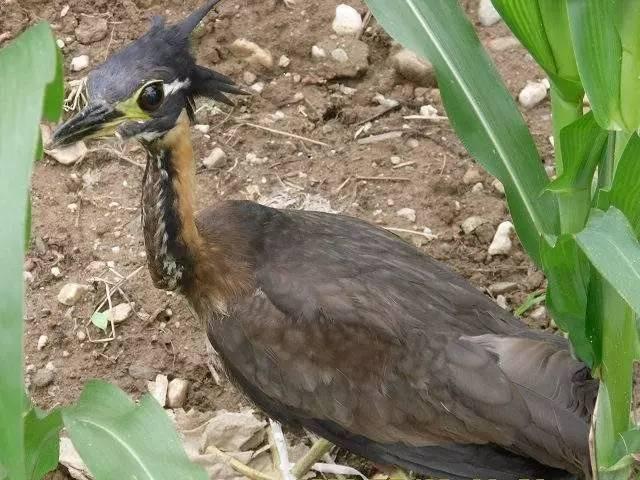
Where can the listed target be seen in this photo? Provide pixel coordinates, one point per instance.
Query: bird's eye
(151, 97)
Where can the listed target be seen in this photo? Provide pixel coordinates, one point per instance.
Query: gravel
(532, 94)
(347, 20)
(177, 393)
(72, 293)
(487, 14)
(407, 213)
(216, 159)
(501, 244)
(410, 66)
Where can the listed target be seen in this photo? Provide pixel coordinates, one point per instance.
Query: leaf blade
(116, 439)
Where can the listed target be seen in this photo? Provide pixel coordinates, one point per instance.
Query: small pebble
(177, 393)
(158, 389)
(216, 159)
(339, 55)
(249, 77)
(472, 175)
(414, 68)
(501, 244)
(202, 128)
(252, 53)
(258, 87)
(501, 300)
(284, 61)
(407, 213)
(79, 63)
(42, 378)
(498, 186)
(81, 335)
(347, 20)
(42, 341)
(487, 14)
(413, 143)
(65, 354)
(539, 314)
(477, 188)
(60, 43)
(317, 53)
(396, 160)
(120, 312)
(471, 223)
(55, 271)
(532, 94)
(503, 43)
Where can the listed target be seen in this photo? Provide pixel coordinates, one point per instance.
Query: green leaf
(100, 320)
(607, 49)
(567, 271)
(479, 106)
(116, 439)
(625, 190)
(41, 442)
(583, 144)
(611, 246)
(542, 27)
(27, 66)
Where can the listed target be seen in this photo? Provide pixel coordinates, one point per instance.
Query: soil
(162, 336)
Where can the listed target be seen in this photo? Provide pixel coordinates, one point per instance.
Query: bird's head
(140, 91)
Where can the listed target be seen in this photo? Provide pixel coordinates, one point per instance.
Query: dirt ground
(88, 213)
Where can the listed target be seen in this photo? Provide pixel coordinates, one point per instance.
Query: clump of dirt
(86, 216)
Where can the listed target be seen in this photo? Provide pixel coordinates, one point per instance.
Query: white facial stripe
(176, 85)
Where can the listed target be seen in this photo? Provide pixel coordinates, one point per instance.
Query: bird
(327, 322)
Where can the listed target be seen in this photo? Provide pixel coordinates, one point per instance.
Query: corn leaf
(542, 27)
(117, 439)
(607, 49)
(625, 190)
(479, 106)
(41, 442)
(567, 271)
(27, 67)
(611, 246)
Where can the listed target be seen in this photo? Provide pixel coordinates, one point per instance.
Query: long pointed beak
(95, 120)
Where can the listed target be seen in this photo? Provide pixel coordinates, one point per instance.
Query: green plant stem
(573, 207)
(563, 113)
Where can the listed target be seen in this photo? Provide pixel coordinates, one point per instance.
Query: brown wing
(354, 329)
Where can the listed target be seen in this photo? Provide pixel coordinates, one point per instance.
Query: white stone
(177, 393)
(503, 43)
(55, 271)
(68, 155)
(339, 55)
(501, 244)
(65, 354)
(253, 159)
(284, 61)
(64, 11)
(471, 223)
(477, 188)
(347, 20)
(414, 68)
(81, 335)
(501, 300)
(498, 186)
(258, 87)
(532, 94)
(407, 213)
(158, 389)
(249, 77)
(42, 341)
(203, 128)
(79, 63)
(216, 159)
(60, 43)
(429, 111)
(317, 52)
(252, 53)
(28, 277)
(119, 313)
(539, 313)
(395, 160)
(384, 101)
(72, 293)
(487, 14)
(472, 176)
